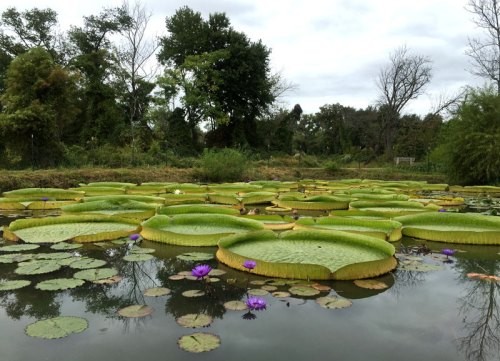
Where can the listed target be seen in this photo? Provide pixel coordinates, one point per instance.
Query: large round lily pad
(59, 284)
(37, 267)
(320, 202)
(83, 228)
(136, 311)
(19, 247)
(199, 342)
(157, 291)
(333, 302)
(194, 320)
(198, 208)
(63, 246)
(57, 327)
(86, 263)
(95, 274)
(118, 207)
(13, 284)
(309, 254)
(195, 229)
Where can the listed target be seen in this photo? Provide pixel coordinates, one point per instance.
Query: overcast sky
(331, 49)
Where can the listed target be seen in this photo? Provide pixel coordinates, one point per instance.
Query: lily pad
(157, 292)
(16, 257)
(333, 302)
(196, 256)
(95, 274)
(235, 306)
(193, 293)
(109, 281)
(13, 285)
(257, 292)
(53, 255)
(371, 284)
(216, 272)
(63, 246)
(305, 291)
(57, 327)
(37, 267)
(141, 250)
(195, 320)
(176, 277)
(86, 263)
(281, 294)
(136, 311)
(59, 284)
(138, 257)
(420, 267)
(199, 342)
(19, 247)
(269, 288)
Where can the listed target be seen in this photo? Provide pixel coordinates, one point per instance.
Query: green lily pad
(194, 320)
(138, 257)
(53, 255)
(63, 246)
(95, 274)
(216, 272)
(257, 292)
(420, 267)
(57, 327)
(193, 293)
(269, 288)
(13, 285)
(141, 250)
(371, 284)
(305, 291)
(157, 292)
(37, 267)
(196, 256)
(109, 281)
(176, 277)
(59, 284)
(136, 311)
(199, 342)
(281, 294)
(333, 302)
(16, 257)
(86, 263)
(19, 247)
(235, 306)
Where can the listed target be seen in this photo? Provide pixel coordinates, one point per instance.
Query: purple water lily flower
(201, 270)
(442, 210)
(249, 264)
(134, 237)
(448, 252)
(256, 303)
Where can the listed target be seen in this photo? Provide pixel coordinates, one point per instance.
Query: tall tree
(39, 102)
(485, 52)
(401, 81)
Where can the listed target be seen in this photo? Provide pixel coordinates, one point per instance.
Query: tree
(401, 81)
(485, 52)
(39, 103)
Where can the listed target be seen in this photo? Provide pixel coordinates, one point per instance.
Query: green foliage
(331, 166)
(472, 140)
(223, 165)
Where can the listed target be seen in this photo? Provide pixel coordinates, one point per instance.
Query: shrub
(331, 166)
(218, 165)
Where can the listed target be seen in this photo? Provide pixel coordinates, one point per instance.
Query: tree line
(108, 85)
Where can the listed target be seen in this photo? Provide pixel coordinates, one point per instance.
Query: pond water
(435, 315)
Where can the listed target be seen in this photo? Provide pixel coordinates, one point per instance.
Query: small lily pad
(138, 257)
(57, 327)
(420, 267)
(320, 287)
(216, 272)
(135, 311)
(371, 284)
(305, 291)
(109, 281)
(59, 284)
(63, 246)
(193, 293)
(19, 247)
(86, 263)
(141, 250)
(196, 256)
(37, 267)
(257, 292)
(194, 320)
(176, 277)
(199, 342)
(16, 257)
(13, 285)
(333, 302)
(257, 282)
(157, 291)
(281, 294)
(95, 274)
(235, 306)
(269, 288)
(53, 255)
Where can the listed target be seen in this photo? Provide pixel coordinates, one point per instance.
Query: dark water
(438, 315)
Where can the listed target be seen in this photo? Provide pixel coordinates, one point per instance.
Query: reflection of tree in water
(406, 279)
(479, 308)
(27, 302)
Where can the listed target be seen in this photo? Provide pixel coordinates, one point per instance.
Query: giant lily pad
(199, 342)
(195, 229)
(83, 228)
(59, 284)
(273, 221)
(309, 254)
(195, 256)
(44, 193)
(390, 208)
(321, 202)
(197, 208)
(118, 207)
(13, 284)
(63, 246)
(57, 327)
(453, 227)
(383, 229)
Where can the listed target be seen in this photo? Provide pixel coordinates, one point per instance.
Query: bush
(223, 165)
(331, 166)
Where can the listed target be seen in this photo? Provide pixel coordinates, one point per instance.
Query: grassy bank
(65, 178)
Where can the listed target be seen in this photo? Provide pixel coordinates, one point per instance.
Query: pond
(439, 314)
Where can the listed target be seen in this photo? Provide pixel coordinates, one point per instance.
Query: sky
(331, 50)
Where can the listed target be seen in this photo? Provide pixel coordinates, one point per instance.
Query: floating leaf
(109, 281)
(281, 294)
(269, 288)
(257, 292)
(420, 267)
(57, 327)
(216, 272)
(138, 257)
(235, 306)
(196, 256)
(53, 255)
(320, 287)
(157, 291)
(16, 257)
(194, 320)
(86, 263)
(135, 311)
(333, 302)
(193, 293)
(257, 282)
(37, 267)
(305, 291)
(19, 247)
(95, 274)
(13, 285)
(141, 250)
(59, 284)
(176, 277)
(63, 246)
(199, 342)
(371, 284)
